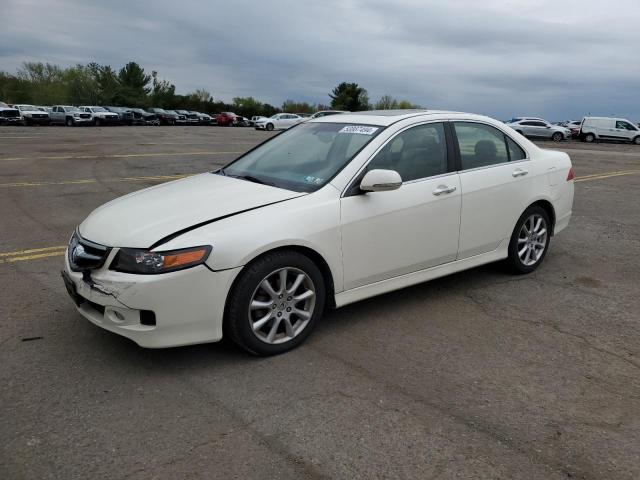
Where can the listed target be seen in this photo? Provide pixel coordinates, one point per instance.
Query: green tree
(349, 96)
(162, 92)
(82, 86)
(134, 89)
(108, 84)
(292, 106)
(386, 102)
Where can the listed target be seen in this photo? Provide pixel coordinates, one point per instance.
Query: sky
(555, 59)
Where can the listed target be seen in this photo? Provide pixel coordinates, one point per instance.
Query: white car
(101, 116)
(31, 115)
(606, 128)
(538, 128)
(336, 210)
(279, 121)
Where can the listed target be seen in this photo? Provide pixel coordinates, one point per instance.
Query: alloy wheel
(532, 240)
(282, 305)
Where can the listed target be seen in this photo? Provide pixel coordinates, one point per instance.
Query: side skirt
(402, 281)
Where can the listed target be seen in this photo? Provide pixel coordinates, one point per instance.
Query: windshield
(98, 109)
(27, 108)
(71, 109)
(303, 158)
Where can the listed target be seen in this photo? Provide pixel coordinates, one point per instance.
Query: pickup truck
(192, 118)
(101, 116)
(165, 117)
(70, 116)
(32, 115)
(10, 116)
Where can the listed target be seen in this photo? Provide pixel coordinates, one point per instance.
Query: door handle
(519, 172)
(443, 189)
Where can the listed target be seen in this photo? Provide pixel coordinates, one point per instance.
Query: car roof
(386, 117)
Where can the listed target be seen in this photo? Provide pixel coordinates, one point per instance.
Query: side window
(418, 152)
(528, 124)
(515, 151)
(480, 145)
(624, 125)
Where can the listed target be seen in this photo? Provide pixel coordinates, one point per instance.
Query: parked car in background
(241, 121)
(142, 117)
(203, 118)
(279, 121)
(607, 128)
(10, 115)
(225, 119)
(164, 116)
(101, 116)
(574, 127)
(329, 213)
(70, 116)
(32, 116)
(324, 113)
(180, 118)
(254, 119)
(540, 129)
(125, 115)
(191, 118)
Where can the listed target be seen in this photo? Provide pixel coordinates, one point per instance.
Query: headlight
(76, 115)
(131, 260)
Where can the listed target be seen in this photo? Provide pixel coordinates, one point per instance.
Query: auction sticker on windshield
(362, 130)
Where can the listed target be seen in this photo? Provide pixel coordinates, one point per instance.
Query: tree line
(40, 83)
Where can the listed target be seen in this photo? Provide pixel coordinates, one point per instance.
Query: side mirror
(380, 181)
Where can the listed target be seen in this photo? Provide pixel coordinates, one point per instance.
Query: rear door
(496, 180)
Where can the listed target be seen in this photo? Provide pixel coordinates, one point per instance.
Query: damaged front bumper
(155, 311)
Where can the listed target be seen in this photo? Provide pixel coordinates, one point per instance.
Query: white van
(605, 128)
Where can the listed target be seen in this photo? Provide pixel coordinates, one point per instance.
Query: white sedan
(336, 210)
(279, 121)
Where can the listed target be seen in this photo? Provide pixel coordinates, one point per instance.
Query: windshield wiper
(252, 179)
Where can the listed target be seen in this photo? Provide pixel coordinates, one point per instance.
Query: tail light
(570, 175)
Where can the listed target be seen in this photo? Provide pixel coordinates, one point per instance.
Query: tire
(97, 122)
(636, 141)
(557, 137)
(589, 138)
(523, 245)
(277, 327)
(70, 122)
(269, 127)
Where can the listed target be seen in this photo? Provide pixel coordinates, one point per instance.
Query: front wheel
(636, 140)
(589, 138)
(269, 127)
(70, 122)
(529, 240)
(557, 137)
(275, 303)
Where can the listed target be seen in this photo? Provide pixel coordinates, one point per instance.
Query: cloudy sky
(551, 58)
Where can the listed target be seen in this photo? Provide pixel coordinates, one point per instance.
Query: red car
(225, 119)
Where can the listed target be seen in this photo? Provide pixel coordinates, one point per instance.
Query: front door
(387, 234)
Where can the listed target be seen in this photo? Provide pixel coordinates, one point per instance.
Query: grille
(85, 115)
(86, 255)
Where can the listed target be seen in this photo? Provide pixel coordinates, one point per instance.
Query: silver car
(539, 128)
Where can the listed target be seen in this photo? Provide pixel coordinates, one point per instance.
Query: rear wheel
(589, 138)
(275, 303)
(557, 137)
(529, 240)
(269, 127)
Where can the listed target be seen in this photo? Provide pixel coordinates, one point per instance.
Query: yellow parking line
(118, 155)
(31, 250)
(32, 257)
(93, 180)
(601, 176)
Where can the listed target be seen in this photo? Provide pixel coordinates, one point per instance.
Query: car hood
(142, 218)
